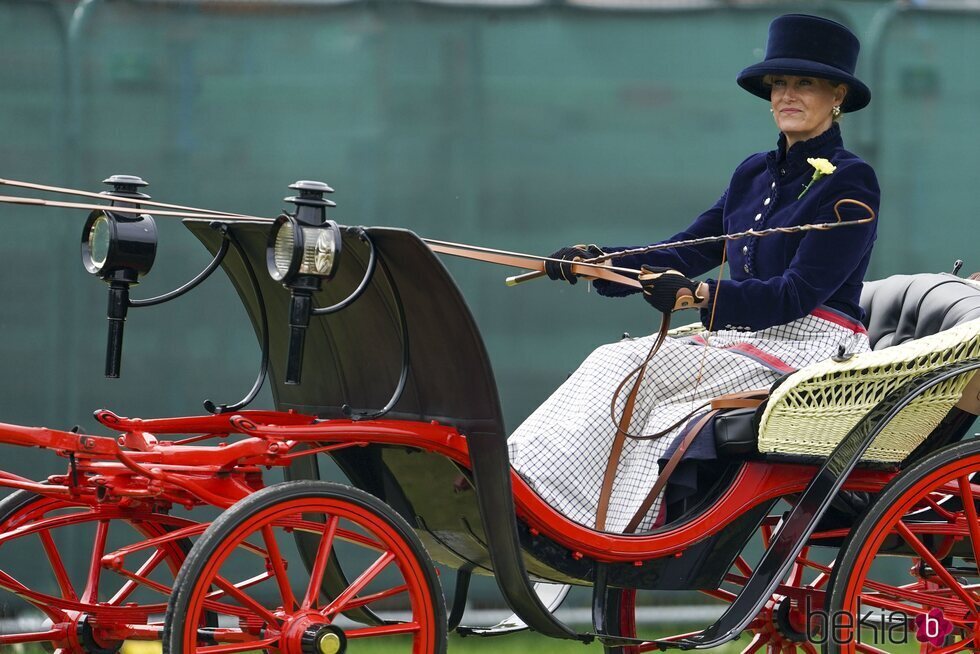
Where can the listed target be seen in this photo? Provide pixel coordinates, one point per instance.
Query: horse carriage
(856, 476)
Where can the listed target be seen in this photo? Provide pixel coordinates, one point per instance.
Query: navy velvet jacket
(779, 278)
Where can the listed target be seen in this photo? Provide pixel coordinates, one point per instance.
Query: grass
(521, 643)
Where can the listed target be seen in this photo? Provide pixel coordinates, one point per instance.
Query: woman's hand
(557, 271)
(667, 290)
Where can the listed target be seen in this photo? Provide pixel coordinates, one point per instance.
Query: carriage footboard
(491, 472)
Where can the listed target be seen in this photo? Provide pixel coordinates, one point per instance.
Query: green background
(521, 125)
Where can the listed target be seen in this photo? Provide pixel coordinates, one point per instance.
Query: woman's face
(803, 106)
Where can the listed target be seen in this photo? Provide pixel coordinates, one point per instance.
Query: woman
(792, 299)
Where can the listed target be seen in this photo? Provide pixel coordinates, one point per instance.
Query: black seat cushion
(903, 307)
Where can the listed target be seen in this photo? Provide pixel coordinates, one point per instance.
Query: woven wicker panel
(816, 406)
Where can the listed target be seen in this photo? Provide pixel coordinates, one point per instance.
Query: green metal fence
(523, 125)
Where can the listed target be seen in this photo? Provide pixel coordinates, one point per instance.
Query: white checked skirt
(562, 449)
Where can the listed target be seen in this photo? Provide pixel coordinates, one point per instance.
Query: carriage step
(649, 645)
(551, 595)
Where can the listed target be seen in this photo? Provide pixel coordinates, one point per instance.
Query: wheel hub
(783, 619)
(90, 642)
(310, 633)
(323, 639)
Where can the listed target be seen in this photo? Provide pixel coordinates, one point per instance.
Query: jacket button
(782, 171)
(745, 267)
(745, 249)
(768, 200)
(773, 185)
(758, 217)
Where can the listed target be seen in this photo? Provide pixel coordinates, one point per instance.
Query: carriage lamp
(296, 250)
(119, 248)
(303, 250)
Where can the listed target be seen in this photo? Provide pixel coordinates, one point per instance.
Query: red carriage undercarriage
(314, 567)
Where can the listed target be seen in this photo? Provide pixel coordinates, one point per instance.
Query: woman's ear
(840, 92)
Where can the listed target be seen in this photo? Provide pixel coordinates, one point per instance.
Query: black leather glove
(557, 271)
(667, 290)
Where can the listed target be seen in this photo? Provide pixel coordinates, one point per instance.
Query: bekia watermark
(932, 628)
(874, 627)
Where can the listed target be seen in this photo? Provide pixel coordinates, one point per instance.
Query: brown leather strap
(531, 262)
(622, 425)
(753, 397)
(612, 464)
(672, 463)
(746, 403)
(740, 400)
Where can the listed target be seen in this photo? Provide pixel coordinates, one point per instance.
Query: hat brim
(858, 94)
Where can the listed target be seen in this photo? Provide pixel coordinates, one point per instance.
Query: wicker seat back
(916, 323)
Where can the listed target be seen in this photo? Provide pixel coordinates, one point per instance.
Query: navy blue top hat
(809, 46)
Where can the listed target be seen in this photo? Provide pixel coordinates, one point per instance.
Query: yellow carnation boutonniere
(821, 168)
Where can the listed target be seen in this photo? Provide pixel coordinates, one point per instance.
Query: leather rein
(596, 268)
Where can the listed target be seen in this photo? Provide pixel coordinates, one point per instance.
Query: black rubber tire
(895, 493)
(228, 524)
(15, 502)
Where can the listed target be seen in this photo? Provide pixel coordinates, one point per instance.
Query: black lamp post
(119, 248)
(303, 250)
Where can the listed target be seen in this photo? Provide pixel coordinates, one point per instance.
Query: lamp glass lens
(319, 250)
(284, 248)
(99, 235)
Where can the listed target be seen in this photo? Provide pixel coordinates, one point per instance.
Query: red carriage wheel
(909, 569)
(779, 628)
(78, 579)
(248, 570)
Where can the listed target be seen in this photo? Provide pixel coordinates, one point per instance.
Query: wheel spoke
(320, 562)
(91, 592)
(881, 602)
(939, 509)
(366, 577)
(384, 630)
(723, 595)
(368, 599)
(278, 568)
(140, 577)
(37, 599)
(57, 565)
(317, 529)
(938, 568)
(758, 641)
(966, 495)
(245, 599)
(920, 526)
(351, 554)
(32, 637)
(80, 586)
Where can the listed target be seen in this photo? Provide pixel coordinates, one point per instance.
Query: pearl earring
(835, 112)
